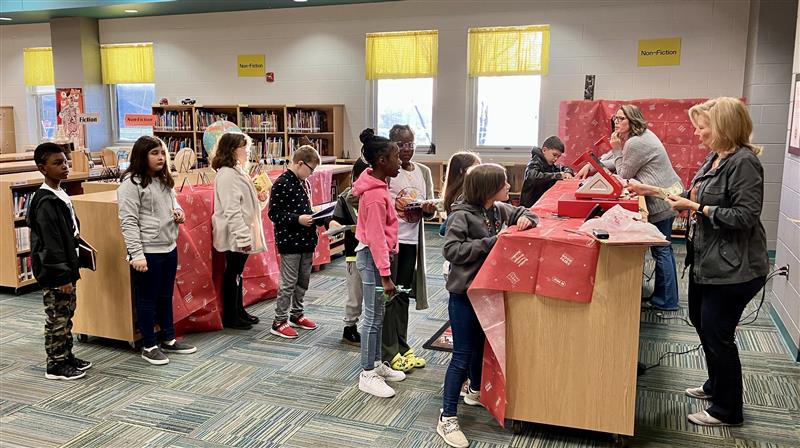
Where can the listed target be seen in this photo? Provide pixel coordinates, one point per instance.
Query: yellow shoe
(415, 361)
(401, 363)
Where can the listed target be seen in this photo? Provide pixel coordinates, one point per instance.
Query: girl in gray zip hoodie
(149, 215)
(472, 230)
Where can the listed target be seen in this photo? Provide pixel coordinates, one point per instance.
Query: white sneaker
(473, 397)
(370, 382)
(448, 428)
(388, 373)
(464, 388)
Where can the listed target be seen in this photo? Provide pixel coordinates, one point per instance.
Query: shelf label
(656, 52)
(144, 120)
(90, 118)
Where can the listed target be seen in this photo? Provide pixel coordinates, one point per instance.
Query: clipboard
(87, 255)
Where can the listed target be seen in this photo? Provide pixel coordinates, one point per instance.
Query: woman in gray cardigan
(640, 156)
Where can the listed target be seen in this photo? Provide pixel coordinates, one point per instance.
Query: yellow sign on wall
(654, 52)
(251, 65)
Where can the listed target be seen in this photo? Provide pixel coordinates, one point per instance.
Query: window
(401, 67)
(506, 111)
(131, 99)
(505, 66)
(405, 101)
(43, 108)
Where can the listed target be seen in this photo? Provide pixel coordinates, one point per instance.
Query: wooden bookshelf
(15, 269)
(276, 129)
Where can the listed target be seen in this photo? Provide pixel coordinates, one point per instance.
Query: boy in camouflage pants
(54, 242)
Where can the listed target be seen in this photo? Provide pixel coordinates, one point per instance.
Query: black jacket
(345, 214)
(539, 177)
(729, 246)
(53, 241)
(287, 201)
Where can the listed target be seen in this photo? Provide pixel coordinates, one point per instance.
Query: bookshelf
(15, 193)
(276, 129)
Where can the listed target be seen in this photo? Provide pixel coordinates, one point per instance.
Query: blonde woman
(726, 249)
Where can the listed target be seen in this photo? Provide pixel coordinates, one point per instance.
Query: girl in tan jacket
(238, 231)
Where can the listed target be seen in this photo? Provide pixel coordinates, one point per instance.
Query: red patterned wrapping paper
(548, 261)
(196, 300)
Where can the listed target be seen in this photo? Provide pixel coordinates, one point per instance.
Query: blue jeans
(372, 314)
(665, 291)
(467, 360)
(153, 291)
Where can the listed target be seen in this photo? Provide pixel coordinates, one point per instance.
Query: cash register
(602, 189)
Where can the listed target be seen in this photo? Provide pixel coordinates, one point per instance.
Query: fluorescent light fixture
(300, 1)
(6, 19)
(131, 11)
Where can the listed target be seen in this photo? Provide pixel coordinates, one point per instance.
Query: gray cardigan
(644, 158)
(420, 293)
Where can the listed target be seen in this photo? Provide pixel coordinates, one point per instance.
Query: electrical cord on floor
(772, 274)
(664, 355)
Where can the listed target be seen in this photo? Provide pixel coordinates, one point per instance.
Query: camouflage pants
(59, 308)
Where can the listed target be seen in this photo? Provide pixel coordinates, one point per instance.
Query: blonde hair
(731, 126)
(306, 154)
(635, 118)
(483, 182)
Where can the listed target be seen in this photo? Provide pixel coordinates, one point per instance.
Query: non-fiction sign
(145, 120)
(90, 118)
(656, 52)
(251, 65)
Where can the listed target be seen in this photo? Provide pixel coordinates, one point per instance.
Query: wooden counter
(105, 300)
(16, 157)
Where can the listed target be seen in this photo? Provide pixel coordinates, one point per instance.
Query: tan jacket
(237, 213)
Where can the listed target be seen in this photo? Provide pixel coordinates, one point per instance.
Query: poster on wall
(69, 107)
(794, 134)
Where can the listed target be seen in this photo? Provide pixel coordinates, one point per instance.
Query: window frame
(112, 99)
(472, 131)
(373, 111)
(35, 95)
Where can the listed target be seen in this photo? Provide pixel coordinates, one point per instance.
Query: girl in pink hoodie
(376, 231)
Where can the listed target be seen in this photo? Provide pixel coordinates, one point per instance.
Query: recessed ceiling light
(6, 19)
(131, 11)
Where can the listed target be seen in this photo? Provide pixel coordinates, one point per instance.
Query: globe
(213, 133)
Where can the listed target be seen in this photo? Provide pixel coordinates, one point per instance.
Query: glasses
(310, 169)
(618, 119)
(406, 145)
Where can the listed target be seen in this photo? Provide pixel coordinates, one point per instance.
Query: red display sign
(144, 120)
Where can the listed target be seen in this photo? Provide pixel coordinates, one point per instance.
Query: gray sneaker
(178, 347)
(155, 356)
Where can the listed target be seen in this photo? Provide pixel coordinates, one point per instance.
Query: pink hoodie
(377, 220)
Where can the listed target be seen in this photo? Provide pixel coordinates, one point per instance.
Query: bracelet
(700, 208)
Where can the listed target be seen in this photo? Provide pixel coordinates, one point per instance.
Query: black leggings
(232, 306)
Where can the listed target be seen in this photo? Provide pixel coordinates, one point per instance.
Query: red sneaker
(303, 322)
(283, 330)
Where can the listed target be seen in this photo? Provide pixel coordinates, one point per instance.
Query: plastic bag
(622, 225)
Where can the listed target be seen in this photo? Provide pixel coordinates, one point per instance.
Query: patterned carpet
(252, 389)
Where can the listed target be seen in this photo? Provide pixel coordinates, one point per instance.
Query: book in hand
(325, 212)
(87, 255)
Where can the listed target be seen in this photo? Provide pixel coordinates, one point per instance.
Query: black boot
(351, 336)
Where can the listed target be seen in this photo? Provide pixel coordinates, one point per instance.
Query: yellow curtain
(127, 63)
(37, 64)
(407, 54)
(513, 50)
